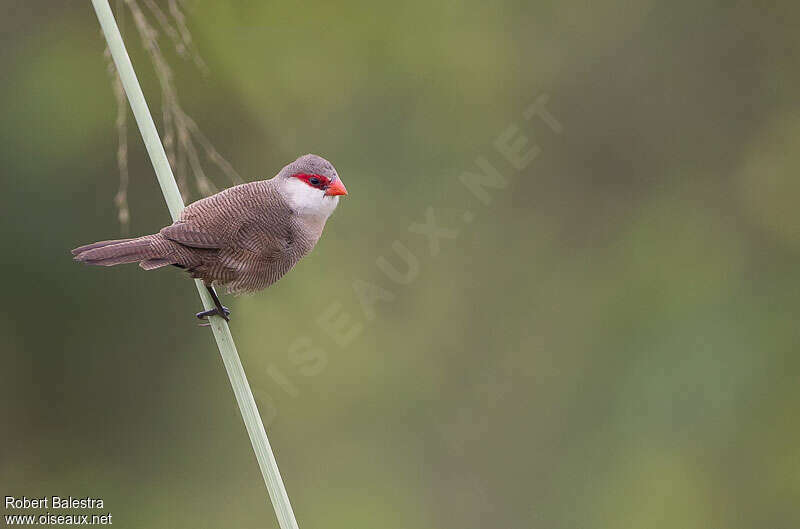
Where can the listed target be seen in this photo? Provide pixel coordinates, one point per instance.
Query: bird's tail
(109, 253)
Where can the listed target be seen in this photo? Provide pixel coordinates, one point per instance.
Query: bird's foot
(213, 312)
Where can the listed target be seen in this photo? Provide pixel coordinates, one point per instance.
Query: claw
(214, 312)
(218, 310)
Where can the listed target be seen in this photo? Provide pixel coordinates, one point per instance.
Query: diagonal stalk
(222, 333)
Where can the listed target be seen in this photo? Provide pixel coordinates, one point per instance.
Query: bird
(244, 238)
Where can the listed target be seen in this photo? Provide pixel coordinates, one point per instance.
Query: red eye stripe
(322, 181)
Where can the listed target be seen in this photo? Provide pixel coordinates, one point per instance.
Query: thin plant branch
(121, 124)
(182, 138)
(222, 333)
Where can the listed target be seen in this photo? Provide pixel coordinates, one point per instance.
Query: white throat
(306, 200)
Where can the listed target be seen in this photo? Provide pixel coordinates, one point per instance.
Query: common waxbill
(243, 238)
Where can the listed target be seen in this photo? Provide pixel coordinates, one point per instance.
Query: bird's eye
(314, 181)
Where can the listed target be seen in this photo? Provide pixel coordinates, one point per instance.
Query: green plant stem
(222, 333)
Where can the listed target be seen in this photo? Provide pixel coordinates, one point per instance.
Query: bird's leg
(218, 309)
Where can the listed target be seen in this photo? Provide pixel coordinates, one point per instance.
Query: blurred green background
(611, 342)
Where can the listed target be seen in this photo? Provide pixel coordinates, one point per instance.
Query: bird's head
(311, 185)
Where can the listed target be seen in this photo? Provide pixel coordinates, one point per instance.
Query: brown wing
(188, 235)
(210, 222)
(249, 217)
